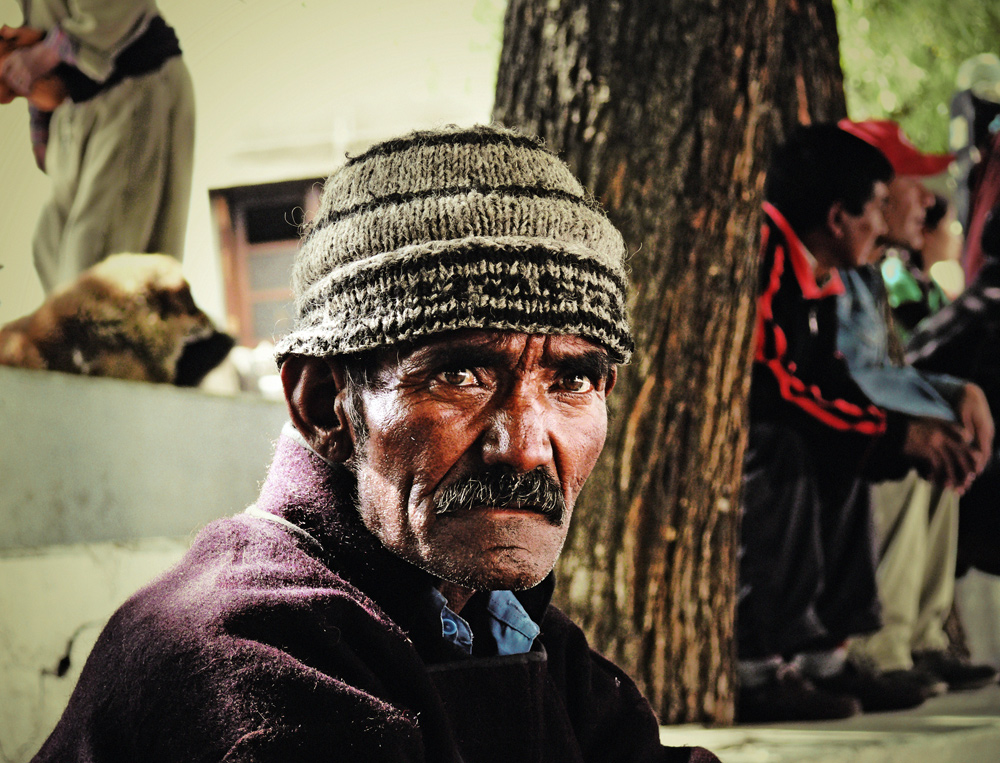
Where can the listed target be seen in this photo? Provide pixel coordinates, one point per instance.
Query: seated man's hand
(940, 452)
(973, 413)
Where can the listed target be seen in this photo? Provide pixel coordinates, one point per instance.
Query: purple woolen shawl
(262, 646)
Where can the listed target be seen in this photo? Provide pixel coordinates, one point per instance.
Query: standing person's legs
(68, 132)
(175, 128)
(113, 167)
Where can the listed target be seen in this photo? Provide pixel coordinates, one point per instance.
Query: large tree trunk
(666, 111)
(810, 80)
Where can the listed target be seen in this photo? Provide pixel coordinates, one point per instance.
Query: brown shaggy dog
(130, 317)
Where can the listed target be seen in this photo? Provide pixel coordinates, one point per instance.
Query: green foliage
(900, 58)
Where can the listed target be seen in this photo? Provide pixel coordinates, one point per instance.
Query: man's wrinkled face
(905, 212)
(478, 444)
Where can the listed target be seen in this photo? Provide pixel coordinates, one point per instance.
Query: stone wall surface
(85, 459)
(102, 485)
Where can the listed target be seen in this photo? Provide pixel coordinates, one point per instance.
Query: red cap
(888, 137)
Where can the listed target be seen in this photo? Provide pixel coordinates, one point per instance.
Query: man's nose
(518, 434)
(881, 226)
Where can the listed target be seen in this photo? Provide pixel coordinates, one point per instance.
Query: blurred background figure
(975, 121)
(985, 197)
(974, 107)
(119, 148)
(949, 431)
(962, 339)
(943, 243)
(921, 281)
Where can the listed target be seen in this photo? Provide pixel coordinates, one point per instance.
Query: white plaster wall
(53, 604)
(283, 88)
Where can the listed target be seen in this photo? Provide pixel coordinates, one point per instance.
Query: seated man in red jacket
(807, 569)
(461, 313)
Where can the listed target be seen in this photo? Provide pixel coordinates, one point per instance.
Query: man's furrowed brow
(471, 355)
(593, 364)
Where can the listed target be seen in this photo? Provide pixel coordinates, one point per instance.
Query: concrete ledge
(961, 726)
(85, 459)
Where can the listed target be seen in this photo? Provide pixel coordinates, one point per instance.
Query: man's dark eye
(457, 377)
(576, 383)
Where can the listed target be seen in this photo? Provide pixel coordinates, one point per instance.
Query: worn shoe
(877, 692)
(958, 673)
(930, 684)
(790, 697)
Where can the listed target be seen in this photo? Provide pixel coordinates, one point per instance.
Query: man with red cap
(916, 518)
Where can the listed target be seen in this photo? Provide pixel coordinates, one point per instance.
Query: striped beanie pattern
(451, 229)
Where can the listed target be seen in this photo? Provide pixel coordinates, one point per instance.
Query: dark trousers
(807, 557)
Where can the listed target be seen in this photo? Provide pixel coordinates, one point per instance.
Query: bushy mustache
(502, 486)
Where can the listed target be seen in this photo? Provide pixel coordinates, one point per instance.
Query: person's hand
(974, 415)
(25, 65)
(940, 452)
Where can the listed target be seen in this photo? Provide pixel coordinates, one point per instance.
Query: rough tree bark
(666, 110)
(810, 74)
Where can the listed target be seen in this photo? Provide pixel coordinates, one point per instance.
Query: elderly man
(916, 519)
(461, 311)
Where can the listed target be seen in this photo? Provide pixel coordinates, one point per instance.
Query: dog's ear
(201, 356)
(196, 346)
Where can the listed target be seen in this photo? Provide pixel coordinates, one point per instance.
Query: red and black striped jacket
(799, 377)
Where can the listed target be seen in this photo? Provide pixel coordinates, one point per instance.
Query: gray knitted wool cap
(456, 228)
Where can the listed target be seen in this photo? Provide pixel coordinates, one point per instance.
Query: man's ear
(609, 383)
(315, 394)
(835, 216)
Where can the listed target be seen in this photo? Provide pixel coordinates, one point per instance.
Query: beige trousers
(120, 165)
(916, 532)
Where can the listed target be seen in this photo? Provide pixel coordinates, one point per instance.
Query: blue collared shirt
(512, 629)
(863, 339)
